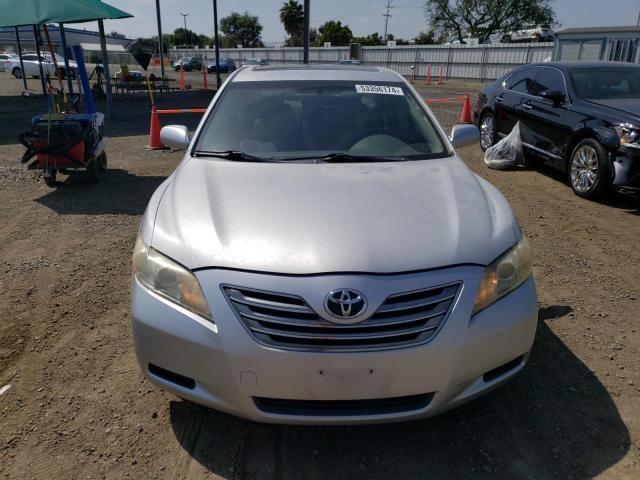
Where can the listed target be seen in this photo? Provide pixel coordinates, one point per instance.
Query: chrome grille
(288, 322)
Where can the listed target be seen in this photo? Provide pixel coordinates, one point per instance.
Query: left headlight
(504, 274)
(627, 133)
(168, 279)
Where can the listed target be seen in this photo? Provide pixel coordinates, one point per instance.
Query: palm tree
(292, 18)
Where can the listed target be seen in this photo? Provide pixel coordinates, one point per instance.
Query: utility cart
(64, 143)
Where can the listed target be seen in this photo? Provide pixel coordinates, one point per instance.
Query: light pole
(161, 44)
(216, 43)
(305, 43)
(184, 16)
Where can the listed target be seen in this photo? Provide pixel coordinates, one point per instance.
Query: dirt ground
(77, 407)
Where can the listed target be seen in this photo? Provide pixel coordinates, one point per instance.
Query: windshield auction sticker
(381, 89)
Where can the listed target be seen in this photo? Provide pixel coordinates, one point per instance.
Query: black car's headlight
(504, 274)
(627, 133)
(168, 279)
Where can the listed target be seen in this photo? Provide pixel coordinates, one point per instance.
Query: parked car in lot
(32, 69)
(253, 61)
(227, 65)
(583, 118)
(534, 33)
(189, 64)
(341, 264)
(5, 58)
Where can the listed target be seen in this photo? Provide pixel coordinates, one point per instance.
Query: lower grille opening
(337, 408)
(172, 377)
(502, 369)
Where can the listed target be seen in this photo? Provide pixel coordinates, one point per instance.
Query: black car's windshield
(606, 83)
(315, 119)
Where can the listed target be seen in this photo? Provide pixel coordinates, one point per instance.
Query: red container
(60, 161)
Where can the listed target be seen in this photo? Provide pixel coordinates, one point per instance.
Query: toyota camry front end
(321, 255)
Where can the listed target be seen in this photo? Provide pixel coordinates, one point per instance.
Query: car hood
(626, 105)
(299, 218)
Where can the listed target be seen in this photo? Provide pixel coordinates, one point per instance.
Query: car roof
(316, 72)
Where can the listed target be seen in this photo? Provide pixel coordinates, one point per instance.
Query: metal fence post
(482, 62)
(446, 75)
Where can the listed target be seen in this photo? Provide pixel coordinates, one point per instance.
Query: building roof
(316, 72)
(625, 29)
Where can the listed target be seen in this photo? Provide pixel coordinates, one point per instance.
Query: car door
(543, 121)
(515, 90)
(30, 65)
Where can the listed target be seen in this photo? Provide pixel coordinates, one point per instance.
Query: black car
(227, 65)
(581, 117)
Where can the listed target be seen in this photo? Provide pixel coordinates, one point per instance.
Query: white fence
(482, 62)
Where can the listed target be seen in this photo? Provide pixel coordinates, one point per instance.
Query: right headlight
(168, 279)
(504, 274)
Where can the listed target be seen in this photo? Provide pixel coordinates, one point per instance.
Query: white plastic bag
(507, 153)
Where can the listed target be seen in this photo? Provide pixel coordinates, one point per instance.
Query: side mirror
(175, 136)
(463, 135)
(554, 96)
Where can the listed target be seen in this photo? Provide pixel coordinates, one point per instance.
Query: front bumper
(222, 366)
(626, 166)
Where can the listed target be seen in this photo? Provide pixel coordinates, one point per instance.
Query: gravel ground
(77, 407)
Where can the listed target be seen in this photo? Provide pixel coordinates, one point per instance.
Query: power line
(389, 7)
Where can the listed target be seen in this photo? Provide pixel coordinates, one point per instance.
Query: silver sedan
(321, 255)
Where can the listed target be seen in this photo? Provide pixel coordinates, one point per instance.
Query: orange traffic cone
(154, 131)
(441, 80)
(181, 77)
(465, 115)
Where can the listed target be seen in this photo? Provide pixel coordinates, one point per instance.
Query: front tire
(487, 130)
(589, 170)
(17, 72)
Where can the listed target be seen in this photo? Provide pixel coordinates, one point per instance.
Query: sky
(362, 16)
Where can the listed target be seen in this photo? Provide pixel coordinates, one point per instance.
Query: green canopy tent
(17, 13)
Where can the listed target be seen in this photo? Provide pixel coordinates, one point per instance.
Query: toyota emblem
(345, 303)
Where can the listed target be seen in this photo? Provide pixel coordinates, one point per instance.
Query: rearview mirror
(175, 136)
(463, 135)
(554, 96)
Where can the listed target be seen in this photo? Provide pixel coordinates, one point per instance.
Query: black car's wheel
(589, 169)
(487, 130)
(17, 72)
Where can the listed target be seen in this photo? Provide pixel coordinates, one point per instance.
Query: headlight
(504, 274)
(627, 133)
(168, 279)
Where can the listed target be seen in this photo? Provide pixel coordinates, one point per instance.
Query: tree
(339, 35)
(292, 18)
(186, 37)
(425, 38)
(371, 40)
(481, 18)
(117, 34)
(244, 30)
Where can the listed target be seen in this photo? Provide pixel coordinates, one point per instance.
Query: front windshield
(606, 83)
(311, 119)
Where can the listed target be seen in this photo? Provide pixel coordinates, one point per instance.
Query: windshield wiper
(233, 155)
(339, 157)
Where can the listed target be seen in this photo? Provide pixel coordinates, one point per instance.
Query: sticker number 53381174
(381, 89)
